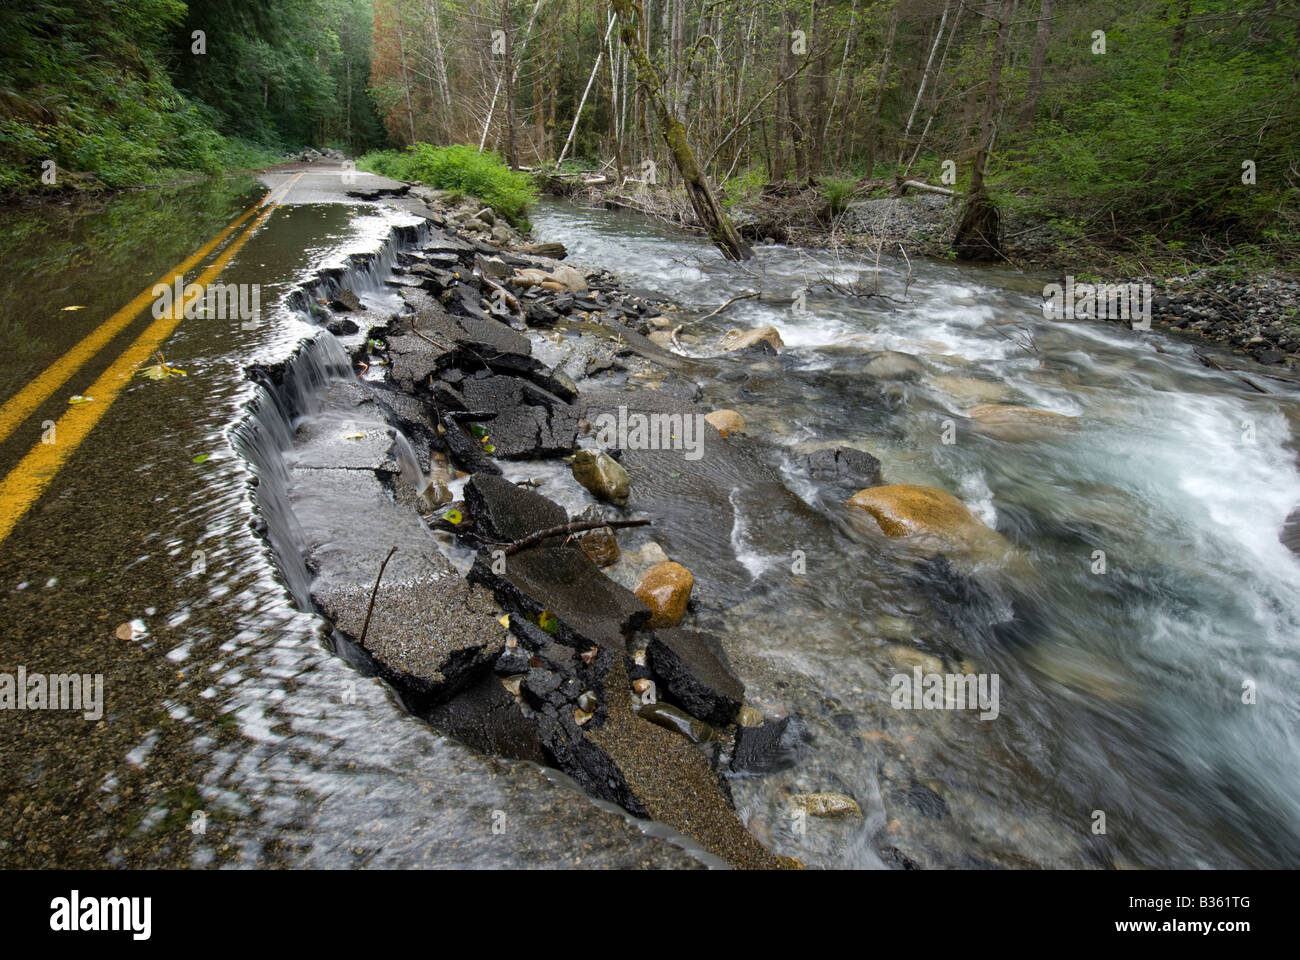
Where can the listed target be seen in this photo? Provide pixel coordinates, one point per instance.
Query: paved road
(230, 734)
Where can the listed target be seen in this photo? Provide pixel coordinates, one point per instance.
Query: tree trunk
(1180, 36)
(977, 231)
(1036, 62)
(577, 115)
(839, 79)
(925, 79)
(508, 72)
(794, 113)
(934, 92)
(707, 209)
(880, 93)
(406, 80)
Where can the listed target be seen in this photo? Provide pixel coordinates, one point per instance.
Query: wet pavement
(231, 733)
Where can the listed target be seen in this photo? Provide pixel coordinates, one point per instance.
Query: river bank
(524, 648)
(1252, 313)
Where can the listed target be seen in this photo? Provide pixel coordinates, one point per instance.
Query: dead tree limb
(564, 529)
(744, 296)
(925, 188)
(373, 593)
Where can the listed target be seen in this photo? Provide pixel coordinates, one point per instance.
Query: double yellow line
(23, 486)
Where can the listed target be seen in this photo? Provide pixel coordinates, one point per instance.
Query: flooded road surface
(231, 734)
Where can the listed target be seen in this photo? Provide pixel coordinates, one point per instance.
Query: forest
(1160, 122)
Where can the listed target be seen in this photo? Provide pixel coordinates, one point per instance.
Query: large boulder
(571, 279)
(969, 390)
(892, 365)
(726, 422)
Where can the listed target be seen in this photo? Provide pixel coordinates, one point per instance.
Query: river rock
(736, 339)
(493, 267)
(665, 588)
(892, 365)
(530, 277)
(662, 338)
(726, 422)
(693, 670)
(844, 467)
(602, 476)
(966, 390)
(833, 806)
(633, 562)
(552, 249)
(600, 546)
(569, 278)
(903, 509)
(678, 721)
(1007, 422)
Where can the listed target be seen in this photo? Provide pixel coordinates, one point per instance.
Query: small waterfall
(292, 390)
(360, 273)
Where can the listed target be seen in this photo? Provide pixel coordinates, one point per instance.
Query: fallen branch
(744, 296)
(577, 526)
(925, 188)
(373, 593)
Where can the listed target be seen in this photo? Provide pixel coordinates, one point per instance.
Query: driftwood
(564, 529)
(924, 188)
(552, 249)
(744, 296)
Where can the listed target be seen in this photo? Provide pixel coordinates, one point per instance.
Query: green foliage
(462, 169)
(286, 73)
(744, 186)
(81, 84)
(1144, 147)
(112, 88)
(837, 191)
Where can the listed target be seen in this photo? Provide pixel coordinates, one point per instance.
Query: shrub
(462, 169)
(837, 192)
(743, 186)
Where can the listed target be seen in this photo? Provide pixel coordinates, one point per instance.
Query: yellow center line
(27, 481)
(22, 404)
